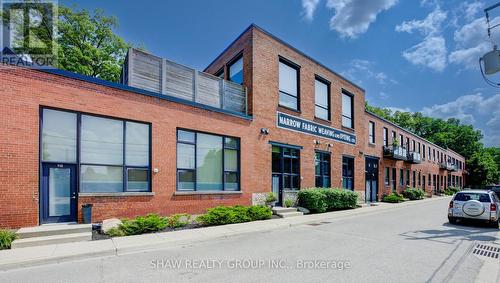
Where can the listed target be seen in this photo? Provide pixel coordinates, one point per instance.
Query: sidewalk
(23, 257)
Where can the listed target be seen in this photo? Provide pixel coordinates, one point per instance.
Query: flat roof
(252, 26)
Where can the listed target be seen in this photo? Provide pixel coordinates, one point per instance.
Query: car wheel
(452, 220)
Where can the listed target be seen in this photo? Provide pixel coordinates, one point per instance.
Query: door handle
(73, 196)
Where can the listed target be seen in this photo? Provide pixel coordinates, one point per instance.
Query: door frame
(374, 160)
(44, 194)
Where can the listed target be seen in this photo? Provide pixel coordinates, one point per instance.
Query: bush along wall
(318, 200)
(451, 191)
(6, 238)
(222, 215)
(414, 193)
(393, 198)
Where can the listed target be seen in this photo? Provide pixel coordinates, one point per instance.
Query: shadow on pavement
(463, 231)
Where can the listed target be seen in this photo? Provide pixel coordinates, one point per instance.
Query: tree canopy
(482, 164)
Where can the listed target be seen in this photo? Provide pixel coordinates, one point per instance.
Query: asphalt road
(412, 244)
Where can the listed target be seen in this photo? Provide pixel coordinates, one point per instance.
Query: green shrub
(270, 197)
(289, 203)
(451, 190)
(393, 198)
(6, 238)
(259, 212)
(414, 194)
(222, 215)
(115, 232)
(313, 199)
(143, 224)
(319, 200)
(178, 220)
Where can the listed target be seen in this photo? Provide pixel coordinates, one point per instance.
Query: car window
(472, 196)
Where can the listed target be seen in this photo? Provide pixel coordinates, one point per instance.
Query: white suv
(475, 205)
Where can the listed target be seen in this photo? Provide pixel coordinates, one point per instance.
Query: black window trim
(235, 58)
(224, 147)
(328, 87)
(78, 162)
(353, 168)
(322, 168)
(295, 66)
(372, 138)
(346, 92)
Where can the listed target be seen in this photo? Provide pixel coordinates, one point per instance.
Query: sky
(411, 55)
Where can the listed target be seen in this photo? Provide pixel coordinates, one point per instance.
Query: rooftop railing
(149, 72)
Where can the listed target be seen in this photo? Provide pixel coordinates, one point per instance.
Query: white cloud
(472, 42)
(383, 95)
(398, 109)
(428, 26)
(471, 9)
(469, 109)
(364, 68)
(309, 6)
(430, 53)
(353, 17)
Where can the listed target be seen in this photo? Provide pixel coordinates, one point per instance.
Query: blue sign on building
(297, 124)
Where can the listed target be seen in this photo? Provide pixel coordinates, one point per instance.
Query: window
(59, 136)
(207, 162)
(434, 154)
(322, 169)
(401, 178)
(387, 177)
(371, 132)
(348, 173)
(235, 70)
(414, 148)
(322, 98)
(429, 180)
(419, 179)
(407, 178)
(347, 110)
(386, 138)
(407, 145)
(111, 150)
(423, 151)
(220, 73)
(289, 85)
(113, 155)
(414, 184)
(401, 140)
(429, 153)
(291, 168)
(393, 137)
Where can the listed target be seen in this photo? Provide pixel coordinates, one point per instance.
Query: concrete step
(279, 209)
(53, 229)
(290, 214)
(50, 240)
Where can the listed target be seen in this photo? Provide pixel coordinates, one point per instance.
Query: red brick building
(262, 117)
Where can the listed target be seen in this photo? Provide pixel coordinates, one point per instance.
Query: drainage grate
(487, 251)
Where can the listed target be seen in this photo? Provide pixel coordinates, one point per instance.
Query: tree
(85, 43)
(483, 164)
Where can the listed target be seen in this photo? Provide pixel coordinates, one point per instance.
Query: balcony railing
(414, 157)
(443, 165)
(152, 73)
(395, 152)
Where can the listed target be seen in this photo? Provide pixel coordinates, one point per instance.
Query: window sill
(322, 121)
(285, 108)
(183, 193)
(122, 194)
(348, 129)
(371, 144)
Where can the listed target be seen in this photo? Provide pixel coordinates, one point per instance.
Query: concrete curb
(30, 256)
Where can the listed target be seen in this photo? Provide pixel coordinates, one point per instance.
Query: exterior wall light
(156, 170)
(264, 131)
(330, 145)
(317, 142)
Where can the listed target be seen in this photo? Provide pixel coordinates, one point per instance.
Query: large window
(289, 85)
(235, 69)
(387, 176)
(401, 178)
(322, 98)
(322, 169)
(207, 162)
(113, 154)
(386, 138)
(347, 110)
(348, 173)
(286, 165)
(423, 151)
(393, 137)
(407, 178)
(371, 132)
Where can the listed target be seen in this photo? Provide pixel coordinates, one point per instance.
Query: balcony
(395, 152)
(414, 157)
(162, 76)
(443, 165)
